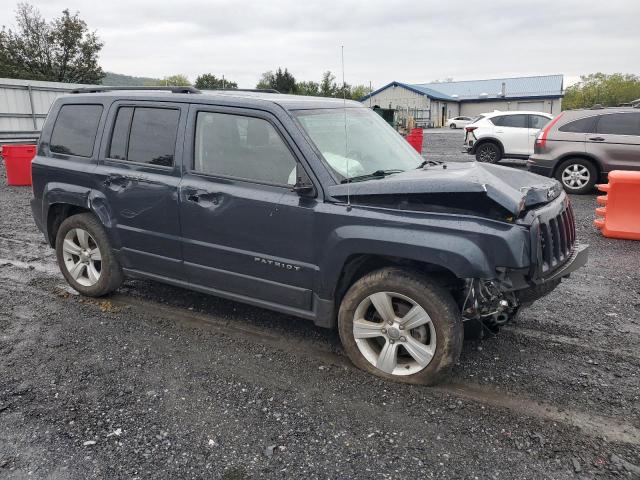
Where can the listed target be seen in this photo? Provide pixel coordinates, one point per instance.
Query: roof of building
(466, 90)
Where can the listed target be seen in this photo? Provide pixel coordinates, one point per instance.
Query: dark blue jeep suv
(310, 206)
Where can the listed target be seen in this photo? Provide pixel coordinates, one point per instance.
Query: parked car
(459, 122)
(313, 207)
(494, 136)
(580, 147)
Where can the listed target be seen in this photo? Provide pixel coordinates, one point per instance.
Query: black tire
(437, 302)
(453, 125)
(488, 152)
(581, 164)
(111, 276)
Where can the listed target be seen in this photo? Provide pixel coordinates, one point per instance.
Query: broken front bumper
(578, 259)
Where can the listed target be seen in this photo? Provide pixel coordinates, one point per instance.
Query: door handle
(196, 196)
(117, 180)
(597, 139)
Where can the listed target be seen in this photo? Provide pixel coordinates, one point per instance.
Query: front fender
(472, 252)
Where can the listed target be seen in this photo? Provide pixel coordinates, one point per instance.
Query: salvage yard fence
(24, 105)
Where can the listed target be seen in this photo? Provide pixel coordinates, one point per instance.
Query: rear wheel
(488, 152)
(85, 256)
(577, 175)
(400, 326)
(453, 125)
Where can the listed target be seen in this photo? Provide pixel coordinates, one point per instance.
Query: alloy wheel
(82, 257)
(575, 176)
(394, 333)
(488, 154)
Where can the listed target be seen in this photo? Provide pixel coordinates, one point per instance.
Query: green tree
(283, 81)
(359, 91)
(170, 81)
(62, 50)
(310, 88)
(267, 80)
(208, 81)
(600, 88)
(328, 85)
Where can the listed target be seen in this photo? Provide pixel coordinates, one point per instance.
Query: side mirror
(303, 185)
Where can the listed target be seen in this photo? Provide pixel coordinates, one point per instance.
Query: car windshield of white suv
(363, 148)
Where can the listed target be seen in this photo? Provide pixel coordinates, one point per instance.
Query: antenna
(346, 142)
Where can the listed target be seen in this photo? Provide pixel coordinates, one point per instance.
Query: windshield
(368, 145)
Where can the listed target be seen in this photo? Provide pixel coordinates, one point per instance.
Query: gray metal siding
(24, 105)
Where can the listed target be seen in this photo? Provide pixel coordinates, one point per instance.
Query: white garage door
(533, 106)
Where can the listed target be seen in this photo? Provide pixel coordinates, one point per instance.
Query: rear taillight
(541, 141)
(470, 129)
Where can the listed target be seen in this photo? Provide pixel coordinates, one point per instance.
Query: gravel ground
(159, 382)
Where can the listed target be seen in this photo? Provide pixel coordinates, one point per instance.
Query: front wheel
(85, 256)
(400, 326)
(453, 125)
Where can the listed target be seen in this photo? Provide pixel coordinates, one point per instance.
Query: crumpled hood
(511, 188)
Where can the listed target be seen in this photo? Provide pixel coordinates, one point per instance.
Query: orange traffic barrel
(620, 210)
(17, 160)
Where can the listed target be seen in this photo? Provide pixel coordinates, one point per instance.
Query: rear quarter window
(75, 130)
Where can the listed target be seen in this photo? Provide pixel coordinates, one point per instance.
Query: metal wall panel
(24, 105)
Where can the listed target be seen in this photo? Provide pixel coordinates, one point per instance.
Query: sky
(408, 41)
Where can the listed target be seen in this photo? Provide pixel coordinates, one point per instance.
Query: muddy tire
(401, 326)
(85, 256)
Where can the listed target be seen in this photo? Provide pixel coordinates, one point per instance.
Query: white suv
(494, 136)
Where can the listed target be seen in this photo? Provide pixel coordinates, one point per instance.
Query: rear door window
(512, 121)
(75, 130)
(583, 125)
(538, 121)
(145, 135)
(619, 124)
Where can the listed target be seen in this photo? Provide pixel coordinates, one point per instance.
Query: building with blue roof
(445, 100)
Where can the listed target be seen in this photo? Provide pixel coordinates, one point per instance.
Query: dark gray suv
(312, 207)
(580, 147)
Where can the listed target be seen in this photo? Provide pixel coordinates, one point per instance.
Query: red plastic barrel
(415, 139)
(17, 160)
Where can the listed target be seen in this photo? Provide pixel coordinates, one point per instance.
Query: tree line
(602, 89)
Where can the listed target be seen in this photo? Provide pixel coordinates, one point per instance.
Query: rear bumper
(543, 169)
(36, 212)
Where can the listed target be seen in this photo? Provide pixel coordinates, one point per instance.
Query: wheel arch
(484, 140)
(60, 201)
(358, 265)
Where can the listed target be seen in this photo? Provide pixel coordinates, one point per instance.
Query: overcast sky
(409, 41)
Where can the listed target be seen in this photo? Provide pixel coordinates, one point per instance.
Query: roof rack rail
(259, 90)
(185, 89)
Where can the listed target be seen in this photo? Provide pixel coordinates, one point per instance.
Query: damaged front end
(487, 304)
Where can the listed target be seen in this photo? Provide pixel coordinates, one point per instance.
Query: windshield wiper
(376, 174)
(429, 162)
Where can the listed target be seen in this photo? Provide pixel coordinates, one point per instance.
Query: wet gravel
(159, 382)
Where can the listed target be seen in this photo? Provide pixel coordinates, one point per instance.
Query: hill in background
(119, 80)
